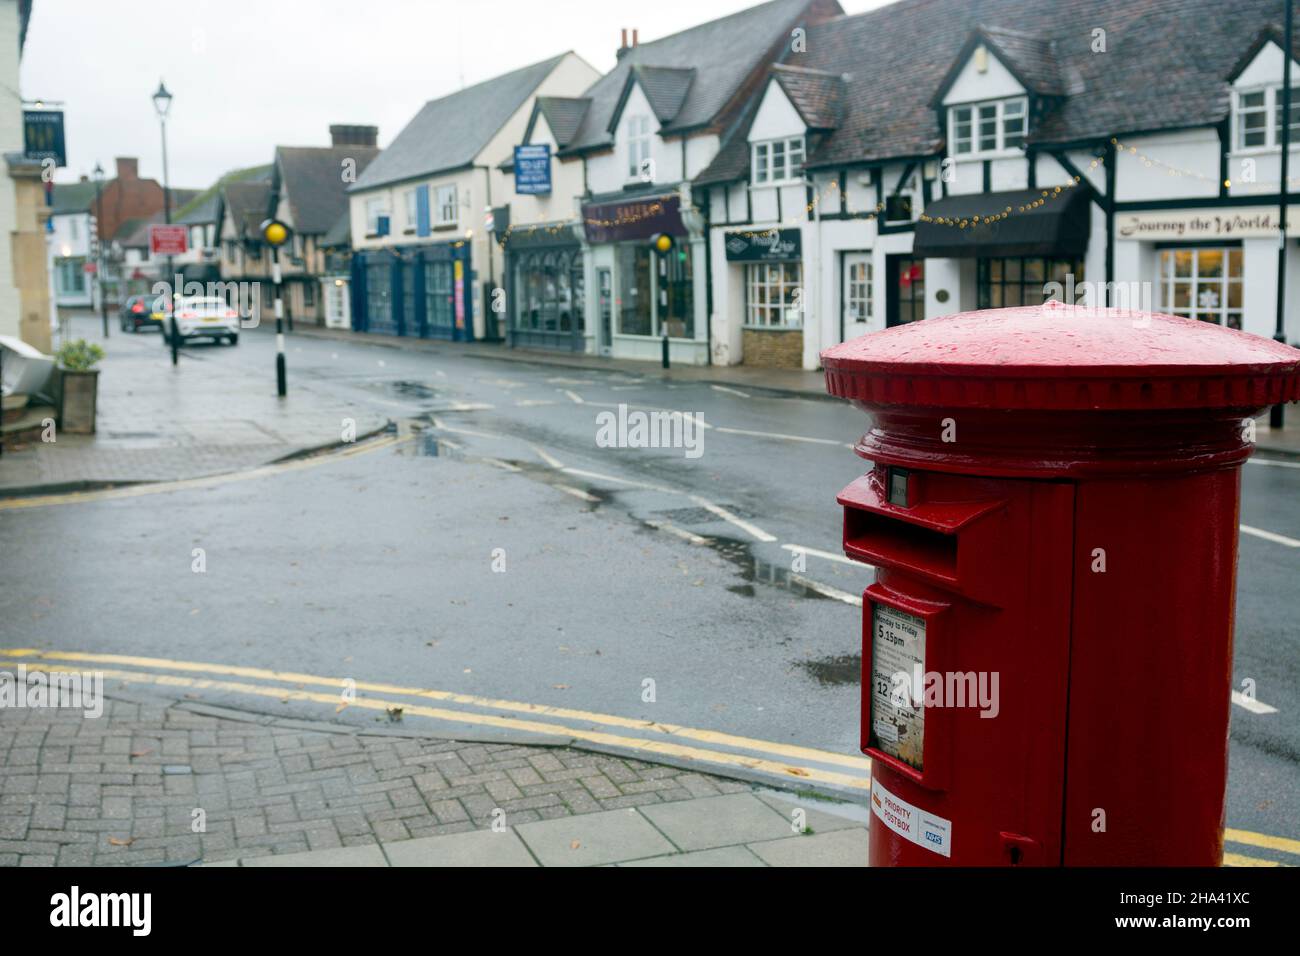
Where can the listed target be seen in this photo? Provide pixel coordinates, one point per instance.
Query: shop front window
(635, 293)
(773, 296)
(1022, 281)
(379, 277)
(1202, 283)
(438, 295)
(549, 292)
(907, 278)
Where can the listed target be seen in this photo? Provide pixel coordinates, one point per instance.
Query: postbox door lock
(1021, 850)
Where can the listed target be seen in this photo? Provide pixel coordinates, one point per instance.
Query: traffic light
(275, 233)
(661, 243)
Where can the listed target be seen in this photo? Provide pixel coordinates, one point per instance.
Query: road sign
(167, 240)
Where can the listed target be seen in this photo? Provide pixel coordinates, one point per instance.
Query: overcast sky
(248, 75)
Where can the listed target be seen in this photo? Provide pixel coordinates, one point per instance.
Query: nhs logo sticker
(911, 822)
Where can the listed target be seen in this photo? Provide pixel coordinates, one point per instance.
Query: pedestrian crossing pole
(276, 233)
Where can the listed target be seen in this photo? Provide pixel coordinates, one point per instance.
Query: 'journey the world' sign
(1248, 222)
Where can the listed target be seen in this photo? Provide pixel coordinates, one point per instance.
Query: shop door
(857, 297)
(605, 303)
(905, 285)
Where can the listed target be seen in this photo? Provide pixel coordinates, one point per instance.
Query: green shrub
(79, 356)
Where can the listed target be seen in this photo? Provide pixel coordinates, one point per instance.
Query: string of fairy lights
(833, 191)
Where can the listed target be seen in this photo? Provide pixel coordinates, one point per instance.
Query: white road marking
(827, 591)
(568, 381)
(622, 481)
(533, 402)
(729, 391)
(682, 533)
(781, 437)
(503, 465)
(828, 555)
(699, 416)
(546, 456)
(466, 407)
(1251, 704)
(1270, 536)
(577, 492)
(752, 530)
(576, 399)
(1274, 462)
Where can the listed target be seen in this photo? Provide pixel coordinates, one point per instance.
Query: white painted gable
(994, 83)
(776, 117)
(1266, 68)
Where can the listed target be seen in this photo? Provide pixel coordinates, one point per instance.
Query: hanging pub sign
(533, 170)
(774, 245)
(43, 136)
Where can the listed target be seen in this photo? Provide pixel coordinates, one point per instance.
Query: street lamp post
(99, 245)
(162, 102)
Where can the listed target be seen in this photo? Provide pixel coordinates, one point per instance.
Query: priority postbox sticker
(897, 652)
(911, 822)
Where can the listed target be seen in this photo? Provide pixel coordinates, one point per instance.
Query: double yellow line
(798, 763)
(675, 741)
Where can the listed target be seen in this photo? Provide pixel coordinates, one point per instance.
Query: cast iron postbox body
(1052, 512)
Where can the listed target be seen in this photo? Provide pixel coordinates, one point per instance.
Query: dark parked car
(142, 312)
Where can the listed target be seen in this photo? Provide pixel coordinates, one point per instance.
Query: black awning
(1053, 225)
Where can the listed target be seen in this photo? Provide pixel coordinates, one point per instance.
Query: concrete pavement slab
(718, 821)
(369, 855)
(475, 848)
(613, 836)
(818, 821)
(721, 856)
(841, 848)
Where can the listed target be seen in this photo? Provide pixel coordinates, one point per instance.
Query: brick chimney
(622, 46)
(128, 167)
(344, 135)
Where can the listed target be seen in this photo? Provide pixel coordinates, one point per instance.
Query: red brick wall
(127, 196)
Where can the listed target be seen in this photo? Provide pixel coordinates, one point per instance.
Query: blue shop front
(417, 291)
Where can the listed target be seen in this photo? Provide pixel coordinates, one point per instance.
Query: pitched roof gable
(449, 132)
(312, 179)
(816, 94)
(724, 53)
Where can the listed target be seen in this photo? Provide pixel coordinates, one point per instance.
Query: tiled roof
(206, 206)
(723, 53)
(1165, 66)
(816, 94)
(248, 203)
(312, 176)
(563, 115)
(448, 133)
(340, 234)
(665, 87)
(1031, 59)
(73, 197)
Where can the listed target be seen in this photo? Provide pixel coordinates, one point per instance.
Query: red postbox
(1052, 512)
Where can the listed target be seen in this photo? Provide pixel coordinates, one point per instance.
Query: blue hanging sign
(533, 170)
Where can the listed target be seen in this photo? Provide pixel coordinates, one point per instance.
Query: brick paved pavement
(124, 788)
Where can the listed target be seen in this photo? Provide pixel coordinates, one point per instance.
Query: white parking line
(576, 399)
(1270, 536)
(781, 437)
(827, 591)
(828, 555)
(752, 530)
(1251, 704)
(729, 391)
(577, 492)
(682, 533)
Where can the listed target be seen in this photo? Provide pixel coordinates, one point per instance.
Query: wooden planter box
(78, 392)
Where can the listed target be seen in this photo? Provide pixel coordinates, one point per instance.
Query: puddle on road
(405, 388)
(840, 671)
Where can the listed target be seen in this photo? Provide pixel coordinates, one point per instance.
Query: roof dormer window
(979, 129)
(1258, 115)
(778, 161)
(638, 148)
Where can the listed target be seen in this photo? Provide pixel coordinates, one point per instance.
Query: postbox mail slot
(941, 542)
(878, 539)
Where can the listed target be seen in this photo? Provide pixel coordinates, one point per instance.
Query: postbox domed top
(1057, 356)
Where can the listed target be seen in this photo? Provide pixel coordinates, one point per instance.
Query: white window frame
(638, 144)
(1000, 113)
(1271, 110)
(376, 207)
(763, 161)
(412, 206)
(446, 208)
(867, 296)
(1197, 284)
(758, 315)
